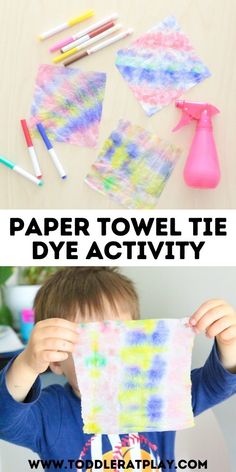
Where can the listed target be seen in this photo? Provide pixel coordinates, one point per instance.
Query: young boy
(49, 421)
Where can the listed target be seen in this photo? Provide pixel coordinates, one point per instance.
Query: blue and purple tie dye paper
(160, 65)
(133, 166)
(134, 376)
(68, 103)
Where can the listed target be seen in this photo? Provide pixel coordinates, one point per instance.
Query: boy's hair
(87, 290)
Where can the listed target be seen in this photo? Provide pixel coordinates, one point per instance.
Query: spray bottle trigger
(184, 120)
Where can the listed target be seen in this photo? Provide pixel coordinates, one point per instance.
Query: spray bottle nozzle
(194, 111)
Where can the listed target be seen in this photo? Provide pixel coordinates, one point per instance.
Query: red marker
(31, 149)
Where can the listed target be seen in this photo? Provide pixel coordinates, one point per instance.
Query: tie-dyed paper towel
(160, 65)
(134, 376)
(133, 166)
(69, 104)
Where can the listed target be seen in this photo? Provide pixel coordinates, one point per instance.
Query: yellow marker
(64, 55)
(75, 49)
(80, 18)
(68, 24)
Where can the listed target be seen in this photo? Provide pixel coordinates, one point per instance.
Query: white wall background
(177, 292)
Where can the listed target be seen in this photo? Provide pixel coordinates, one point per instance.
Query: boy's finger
(219, 326)
(200, 312)
(60, 333)
(54, 344)
(210, 317)
(54, 356)
(57, 323)
(228, 335)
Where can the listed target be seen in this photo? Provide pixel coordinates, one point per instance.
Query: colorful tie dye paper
(133, 166)
(68, 102)
(160, 65)
(134, 376)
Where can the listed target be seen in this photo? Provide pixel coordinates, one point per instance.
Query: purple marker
(51, 151)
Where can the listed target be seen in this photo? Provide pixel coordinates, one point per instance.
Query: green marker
(20, 171)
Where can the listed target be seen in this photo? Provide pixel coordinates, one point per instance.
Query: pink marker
(202, 168)
(31, 149)
(82, 33)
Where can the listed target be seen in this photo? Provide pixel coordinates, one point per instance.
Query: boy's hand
(218, 319)
(51, 341)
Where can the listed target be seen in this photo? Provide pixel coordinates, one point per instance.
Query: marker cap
(7, 163)
(44, 136)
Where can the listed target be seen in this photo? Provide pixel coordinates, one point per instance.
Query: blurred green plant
(6, 317)
(35, 275)
(25, 276)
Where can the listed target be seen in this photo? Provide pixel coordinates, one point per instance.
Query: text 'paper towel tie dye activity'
(138, 371)
(134, 164)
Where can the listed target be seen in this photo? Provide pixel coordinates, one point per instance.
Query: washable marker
(31, 149)
(83, 32)
(51, 151)
(88, 36)
(102, 45)
(11, 165)
(66, 25)
(91, 41)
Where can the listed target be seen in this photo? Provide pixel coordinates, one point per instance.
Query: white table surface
(210, 24)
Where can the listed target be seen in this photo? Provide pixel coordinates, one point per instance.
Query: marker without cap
(66, 25)
(91, 41)
(11, 165)
(83, 32)
(31, 149)
(51, 151)
(102, 45)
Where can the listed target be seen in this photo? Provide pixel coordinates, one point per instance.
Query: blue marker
(51, 151)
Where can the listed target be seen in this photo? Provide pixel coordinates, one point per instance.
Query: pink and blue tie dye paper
(133, 166)
(69, 104)
(134, 376)
(160, 65)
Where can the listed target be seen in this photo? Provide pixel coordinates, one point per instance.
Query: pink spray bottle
(202, 167)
